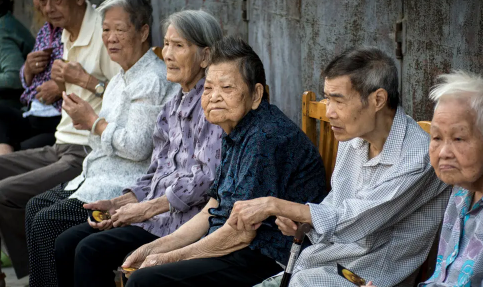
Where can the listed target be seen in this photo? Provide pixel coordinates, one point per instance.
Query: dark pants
(23, 175)
(26, 133)
(245, 267)
(86, 257)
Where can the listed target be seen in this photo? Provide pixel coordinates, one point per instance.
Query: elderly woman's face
(120, 37)
(184, 60)
(226, 98)
(456, 148)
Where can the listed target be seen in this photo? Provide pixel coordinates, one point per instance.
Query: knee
(89, 249)
(31, 209)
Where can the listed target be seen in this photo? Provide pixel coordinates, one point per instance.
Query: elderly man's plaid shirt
(382, 215)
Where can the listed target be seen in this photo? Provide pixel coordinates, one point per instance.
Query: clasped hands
(69, 72)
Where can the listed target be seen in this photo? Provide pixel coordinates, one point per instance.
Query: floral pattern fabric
(460, 254)
(48, 37)
(187, 151)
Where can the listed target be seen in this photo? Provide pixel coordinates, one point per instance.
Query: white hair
(463, 86)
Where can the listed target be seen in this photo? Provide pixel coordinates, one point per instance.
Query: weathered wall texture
(274, 33)
(296, 38)
(439, 38)
(228, 12)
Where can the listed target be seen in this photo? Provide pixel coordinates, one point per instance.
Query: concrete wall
(228, 12)
(297, 38)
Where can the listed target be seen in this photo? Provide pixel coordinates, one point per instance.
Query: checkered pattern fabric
(382, 215)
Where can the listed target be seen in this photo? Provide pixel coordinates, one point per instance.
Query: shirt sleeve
(11, 60)
(190, 189)
(374, 207)
(133, 141)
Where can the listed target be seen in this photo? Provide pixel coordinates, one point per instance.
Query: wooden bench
(315, 111)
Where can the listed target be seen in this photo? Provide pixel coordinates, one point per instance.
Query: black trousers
(243, 268)
(85, 256)
(26, 133)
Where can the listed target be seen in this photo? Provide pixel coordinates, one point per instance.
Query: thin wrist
(273, 209)
(84, 81)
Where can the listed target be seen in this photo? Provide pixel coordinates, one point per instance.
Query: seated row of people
(230, 176)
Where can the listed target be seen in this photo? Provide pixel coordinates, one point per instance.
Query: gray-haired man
(386, 202)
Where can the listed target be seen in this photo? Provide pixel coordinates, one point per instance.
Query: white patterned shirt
(132, 101)
(382, 215)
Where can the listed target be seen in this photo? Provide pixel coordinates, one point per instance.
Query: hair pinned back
(231, 49)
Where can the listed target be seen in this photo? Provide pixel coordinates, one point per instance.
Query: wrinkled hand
(48, 93)
(287, 226)
(136, 259)
(74, 73)
(101, 205)
(57, 72)
(81, 112)
(68, 72)
(36, 62)
(130, 213)
(158, 259)
(249, 214)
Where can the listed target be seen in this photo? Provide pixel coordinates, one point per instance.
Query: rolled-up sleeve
(371, 210)
(190, 189)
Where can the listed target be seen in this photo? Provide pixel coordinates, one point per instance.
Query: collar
(463, 200)
(189, 101)
(242, 128)
(87, 28)
(392, 147)
(140, 65)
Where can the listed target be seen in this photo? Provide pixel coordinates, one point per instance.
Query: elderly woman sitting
(264, 154)
(186, 153)
(120, 135)
(456, 153)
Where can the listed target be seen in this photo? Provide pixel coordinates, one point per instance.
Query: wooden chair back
(158, 51)
(313, 111)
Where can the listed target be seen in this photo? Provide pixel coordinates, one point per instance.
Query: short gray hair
(463, 86)
(369, 69)
(140, 12)
(196, 26)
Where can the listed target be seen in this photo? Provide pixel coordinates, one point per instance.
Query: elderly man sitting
(456, 152)
(386, 202)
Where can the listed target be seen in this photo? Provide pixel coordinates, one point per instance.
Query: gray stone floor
(12, 280)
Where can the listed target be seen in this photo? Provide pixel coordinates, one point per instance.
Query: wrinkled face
(58, 12)
(120, 37)
(226, 98)
(183, 59)
(456, 148)
(348, 116)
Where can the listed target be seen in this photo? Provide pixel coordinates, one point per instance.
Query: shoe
(5, 261)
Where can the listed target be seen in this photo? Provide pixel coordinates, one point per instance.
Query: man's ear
(257, 96)
(80, 2)
(205, 54)
(379, 98)
(144, 32)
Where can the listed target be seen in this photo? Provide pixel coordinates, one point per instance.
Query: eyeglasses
(44, 2)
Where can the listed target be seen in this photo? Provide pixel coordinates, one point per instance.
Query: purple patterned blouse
(48, 37)
(187, 151)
